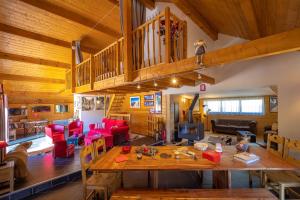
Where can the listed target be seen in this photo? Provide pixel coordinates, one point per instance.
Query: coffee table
(241, 134)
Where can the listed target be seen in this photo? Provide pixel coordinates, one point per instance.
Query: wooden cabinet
(7, 177)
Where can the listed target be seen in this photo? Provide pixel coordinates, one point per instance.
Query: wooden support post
(73, 65)
(168, 35)
(184, 39)
(127, 24)
(118, 58)
(92, 71)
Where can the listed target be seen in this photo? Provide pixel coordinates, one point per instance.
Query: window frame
(239, 107)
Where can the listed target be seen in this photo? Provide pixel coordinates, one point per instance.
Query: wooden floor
(44, 167)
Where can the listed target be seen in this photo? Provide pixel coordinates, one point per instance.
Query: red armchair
(115, 130)
(62, 149)
(75, 127)
(55, 132)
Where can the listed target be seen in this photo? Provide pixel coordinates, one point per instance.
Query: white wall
(281, 70)
(194, 33)
(88, 117)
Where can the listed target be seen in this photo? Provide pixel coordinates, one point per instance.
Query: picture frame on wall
(135, 102)
(273, 104)
(148, 103)
(87, 103)
(100, 102)
(149, 97)
(158, 102)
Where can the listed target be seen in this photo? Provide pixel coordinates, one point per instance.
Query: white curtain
(236, 106)
(138, 14)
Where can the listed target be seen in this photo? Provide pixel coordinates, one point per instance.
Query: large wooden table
(267, 162)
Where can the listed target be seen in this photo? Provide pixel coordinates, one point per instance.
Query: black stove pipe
(190, 113)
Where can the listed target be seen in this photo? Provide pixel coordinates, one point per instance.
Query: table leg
(222, 179)
(122, 180)
(155, 179)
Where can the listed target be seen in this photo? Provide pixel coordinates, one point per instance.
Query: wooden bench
(193, 194)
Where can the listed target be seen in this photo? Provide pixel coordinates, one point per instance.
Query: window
(230, 106)
(214, 106)
(61, 108)
(236, 106)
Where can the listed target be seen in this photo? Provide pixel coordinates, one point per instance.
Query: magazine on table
(246, 157)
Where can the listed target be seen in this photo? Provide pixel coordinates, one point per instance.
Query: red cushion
(120, 123)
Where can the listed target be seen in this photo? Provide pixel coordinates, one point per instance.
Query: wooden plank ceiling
(36, 36)
(249, 19)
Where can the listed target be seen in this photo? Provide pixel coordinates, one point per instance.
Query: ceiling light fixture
(155, 84)
(138, 86)
(174, 80)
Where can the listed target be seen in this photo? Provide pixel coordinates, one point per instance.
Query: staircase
(116, 104)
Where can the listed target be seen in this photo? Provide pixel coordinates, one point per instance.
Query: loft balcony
(159, 41)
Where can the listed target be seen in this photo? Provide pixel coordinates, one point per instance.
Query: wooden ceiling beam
(32, 60)
(72, 16)
(30, 79)
(34, 94)
(193, 13)
(249, 14)
(41, 38)
(199, 77)
(185, 81)
(272, 45)
(148, 4)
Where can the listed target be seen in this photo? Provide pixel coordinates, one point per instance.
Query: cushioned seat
(232, 125)
(112, 129)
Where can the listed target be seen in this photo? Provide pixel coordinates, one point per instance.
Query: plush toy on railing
(200, 48)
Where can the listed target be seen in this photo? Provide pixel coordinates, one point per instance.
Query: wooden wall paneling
(52, 115)
(139, 117)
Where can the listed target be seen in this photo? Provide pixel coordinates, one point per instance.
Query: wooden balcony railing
(109, 61)
(160, 40)
(83, 73)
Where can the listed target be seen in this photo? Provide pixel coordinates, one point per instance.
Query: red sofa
(62, 149)
(55, 132)
(75, 127)
(115, 131)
